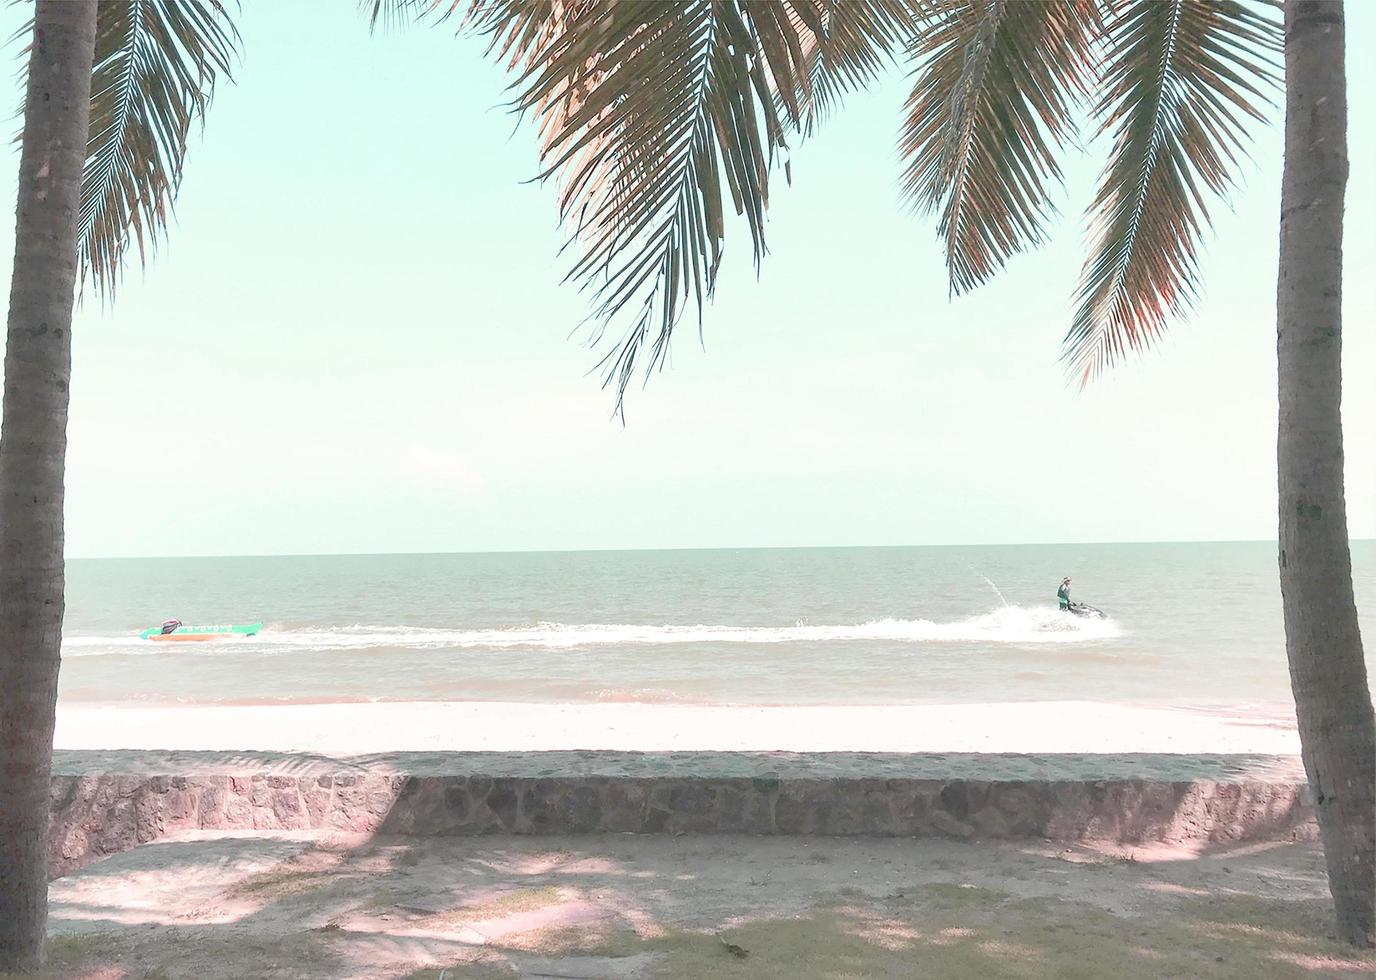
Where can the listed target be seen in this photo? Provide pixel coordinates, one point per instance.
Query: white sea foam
(1011, 624)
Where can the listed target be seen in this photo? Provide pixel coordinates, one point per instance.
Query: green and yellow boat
(175, 631)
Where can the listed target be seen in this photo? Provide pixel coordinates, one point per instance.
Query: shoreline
(1029, 727)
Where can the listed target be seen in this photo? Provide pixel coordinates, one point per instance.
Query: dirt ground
(228, 907)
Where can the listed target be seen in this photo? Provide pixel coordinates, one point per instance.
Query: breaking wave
(1011, 624)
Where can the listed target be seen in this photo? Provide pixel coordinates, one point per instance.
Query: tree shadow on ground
(684, 908)
(324, 903)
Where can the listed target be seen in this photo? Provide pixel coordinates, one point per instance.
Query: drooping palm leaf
(156, 66)
(403, 13)
(650, 112)
(1181, 80)
(847, 44)
(520, 29)
(997, 85)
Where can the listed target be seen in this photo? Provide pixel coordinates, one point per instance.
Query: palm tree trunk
(1327, 671)
(33, 446)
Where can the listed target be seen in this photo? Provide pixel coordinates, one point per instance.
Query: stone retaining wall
(95, 813)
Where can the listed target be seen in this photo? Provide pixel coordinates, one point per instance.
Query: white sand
(1032, 727)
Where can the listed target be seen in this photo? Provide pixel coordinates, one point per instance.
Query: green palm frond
(997, 85)
(392, 14)
(518, 30)
(848, 44)
(651, 114)
(1181, 80)
(156, 66)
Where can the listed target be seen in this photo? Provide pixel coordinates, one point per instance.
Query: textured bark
(33, 446)
(1327, 670)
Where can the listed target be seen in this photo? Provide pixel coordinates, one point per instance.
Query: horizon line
(591, 551)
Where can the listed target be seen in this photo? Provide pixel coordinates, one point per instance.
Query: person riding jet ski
(1074, 608)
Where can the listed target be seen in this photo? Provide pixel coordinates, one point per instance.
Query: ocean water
(1189, 624)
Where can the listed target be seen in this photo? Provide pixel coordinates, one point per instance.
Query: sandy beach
(620, 907)
(1031, 727)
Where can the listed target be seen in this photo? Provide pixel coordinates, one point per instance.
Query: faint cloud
(440, 466)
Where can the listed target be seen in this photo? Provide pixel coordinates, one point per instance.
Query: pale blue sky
(356, 340)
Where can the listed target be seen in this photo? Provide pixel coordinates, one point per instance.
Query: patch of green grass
(282, 882)
(177, 955)
(68, 950)
(604, 939)
(508, 903)
(286, 880)
(950, 931)
(68, 944)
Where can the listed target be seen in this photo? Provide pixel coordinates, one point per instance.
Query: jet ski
(174, 631)
(1086, 610)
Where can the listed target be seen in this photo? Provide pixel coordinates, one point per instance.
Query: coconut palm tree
(1322, 638)
(1174, 84)
(111, 95)
(32, 447)
(656, 116)
(148, 68)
